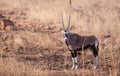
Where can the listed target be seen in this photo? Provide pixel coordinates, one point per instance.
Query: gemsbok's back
(76, 43)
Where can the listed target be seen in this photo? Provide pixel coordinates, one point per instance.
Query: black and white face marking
(66, 34)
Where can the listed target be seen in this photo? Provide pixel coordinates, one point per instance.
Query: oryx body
(76, 43)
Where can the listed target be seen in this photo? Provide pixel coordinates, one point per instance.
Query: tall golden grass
(88, 17)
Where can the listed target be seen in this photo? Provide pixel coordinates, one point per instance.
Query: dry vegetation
(37, 48)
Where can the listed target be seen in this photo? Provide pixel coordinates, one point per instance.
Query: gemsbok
(76, 43)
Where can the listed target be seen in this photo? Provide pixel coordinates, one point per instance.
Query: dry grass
(10, 67)
(43, 49)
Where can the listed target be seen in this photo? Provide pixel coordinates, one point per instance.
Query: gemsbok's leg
(96, 62)
(95, 53)
(74, 59)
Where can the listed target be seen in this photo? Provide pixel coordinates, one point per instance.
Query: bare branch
(70, 2)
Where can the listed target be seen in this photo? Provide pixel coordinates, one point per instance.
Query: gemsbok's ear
(62, 30)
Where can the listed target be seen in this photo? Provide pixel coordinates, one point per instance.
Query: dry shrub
(6, 24)
(2, 26)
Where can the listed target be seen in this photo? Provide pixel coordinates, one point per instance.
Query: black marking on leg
(95, 51)
(74, 54)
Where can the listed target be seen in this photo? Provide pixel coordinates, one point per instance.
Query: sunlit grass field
(39, 49)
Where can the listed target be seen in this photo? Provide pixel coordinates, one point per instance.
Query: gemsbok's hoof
(74, 67)
(95, 67)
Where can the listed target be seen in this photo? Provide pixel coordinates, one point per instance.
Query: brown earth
(34, 46)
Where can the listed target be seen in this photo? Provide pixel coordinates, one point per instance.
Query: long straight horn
(63, 23)
(68, 23)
